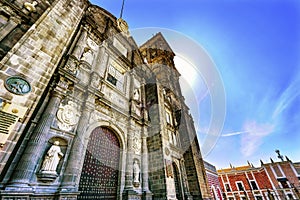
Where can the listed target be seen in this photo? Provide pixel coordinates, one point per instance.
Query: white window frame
(169, 118)
(237, 187)
(255, 184)
(116, 74)
(229, 187)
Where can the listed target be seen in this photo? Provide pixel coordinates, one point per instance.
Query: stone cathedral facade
(85, 113)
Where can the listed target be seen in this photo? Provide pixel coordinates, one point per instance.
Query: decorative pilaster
(72, 173)
(129, 192)
(77, 52)
(129, 162)
(145, 164)
(147, 195)
(186, 190)
(37, 142)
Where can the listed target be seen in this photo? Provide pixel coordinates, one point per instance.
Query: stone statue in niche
(30, 6)
(52, 159)
(87, 55)
(95, 81)
(135, 103)
(136, 173)
(136, 94)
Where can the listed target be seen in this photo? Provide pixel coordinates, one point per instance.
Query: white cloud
(234, 133)
(287, 97)
(256, 132)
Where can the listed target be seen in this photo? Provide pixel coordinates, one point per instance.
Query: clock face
(17, 85)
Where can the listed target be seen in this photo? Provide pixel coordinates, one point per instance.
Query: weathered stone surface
(85, 75)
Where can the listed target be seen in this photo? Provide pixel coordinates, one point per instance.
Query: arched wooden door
(177, 182)
(99, 177)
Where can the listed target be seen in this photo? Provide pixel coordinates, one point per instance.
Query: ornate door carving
(99, 177)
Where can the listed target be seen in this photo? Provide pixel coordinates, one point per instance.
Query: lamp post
(279, 155)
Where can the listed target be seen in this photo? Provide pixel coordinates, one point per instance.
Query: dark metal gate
(99, 177)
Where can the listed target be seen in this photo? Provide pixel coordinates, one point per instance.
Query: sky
(255, 47)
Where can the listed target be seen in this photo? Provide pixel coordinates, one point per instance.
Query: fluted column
(145, 164)
(37, 142)
(72, 173)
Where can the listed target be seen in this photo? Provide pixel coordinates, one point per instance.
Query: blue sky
(255, 45)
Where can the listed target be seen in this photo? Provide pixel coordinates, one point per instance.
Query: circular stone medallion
(17, 85)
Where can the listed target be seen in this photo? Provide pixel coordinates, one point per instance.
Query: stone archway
(100, 172)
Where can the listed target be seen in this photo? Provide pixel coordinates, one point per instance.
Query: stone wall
(34, 57)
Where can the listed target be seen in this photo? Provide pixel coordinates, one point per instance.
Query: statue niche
(48, 171)
(87, 55)
(136, 173)
(136, 106)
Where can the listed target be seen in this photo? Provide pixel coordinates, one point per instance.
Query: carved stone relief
(67, 116)
(72, 66)
(136, 145)
(92, 44)
(95, 81)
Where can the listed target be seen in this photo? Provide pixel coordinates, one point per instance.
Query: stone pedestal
(131, 194)
(47, 176)
(68, 195)
(147, 195)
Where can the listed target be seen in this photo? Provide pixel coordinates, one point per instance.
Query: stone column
(145, 170)
(37, 142)
(186, 190)
(147, 195)
(72, 173)
(77, 52)
(129, 192)
(129, 162)
(9, 26)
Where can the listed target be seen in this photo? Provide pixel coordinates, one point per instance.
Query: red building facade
(270, 181)
(213, 181)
